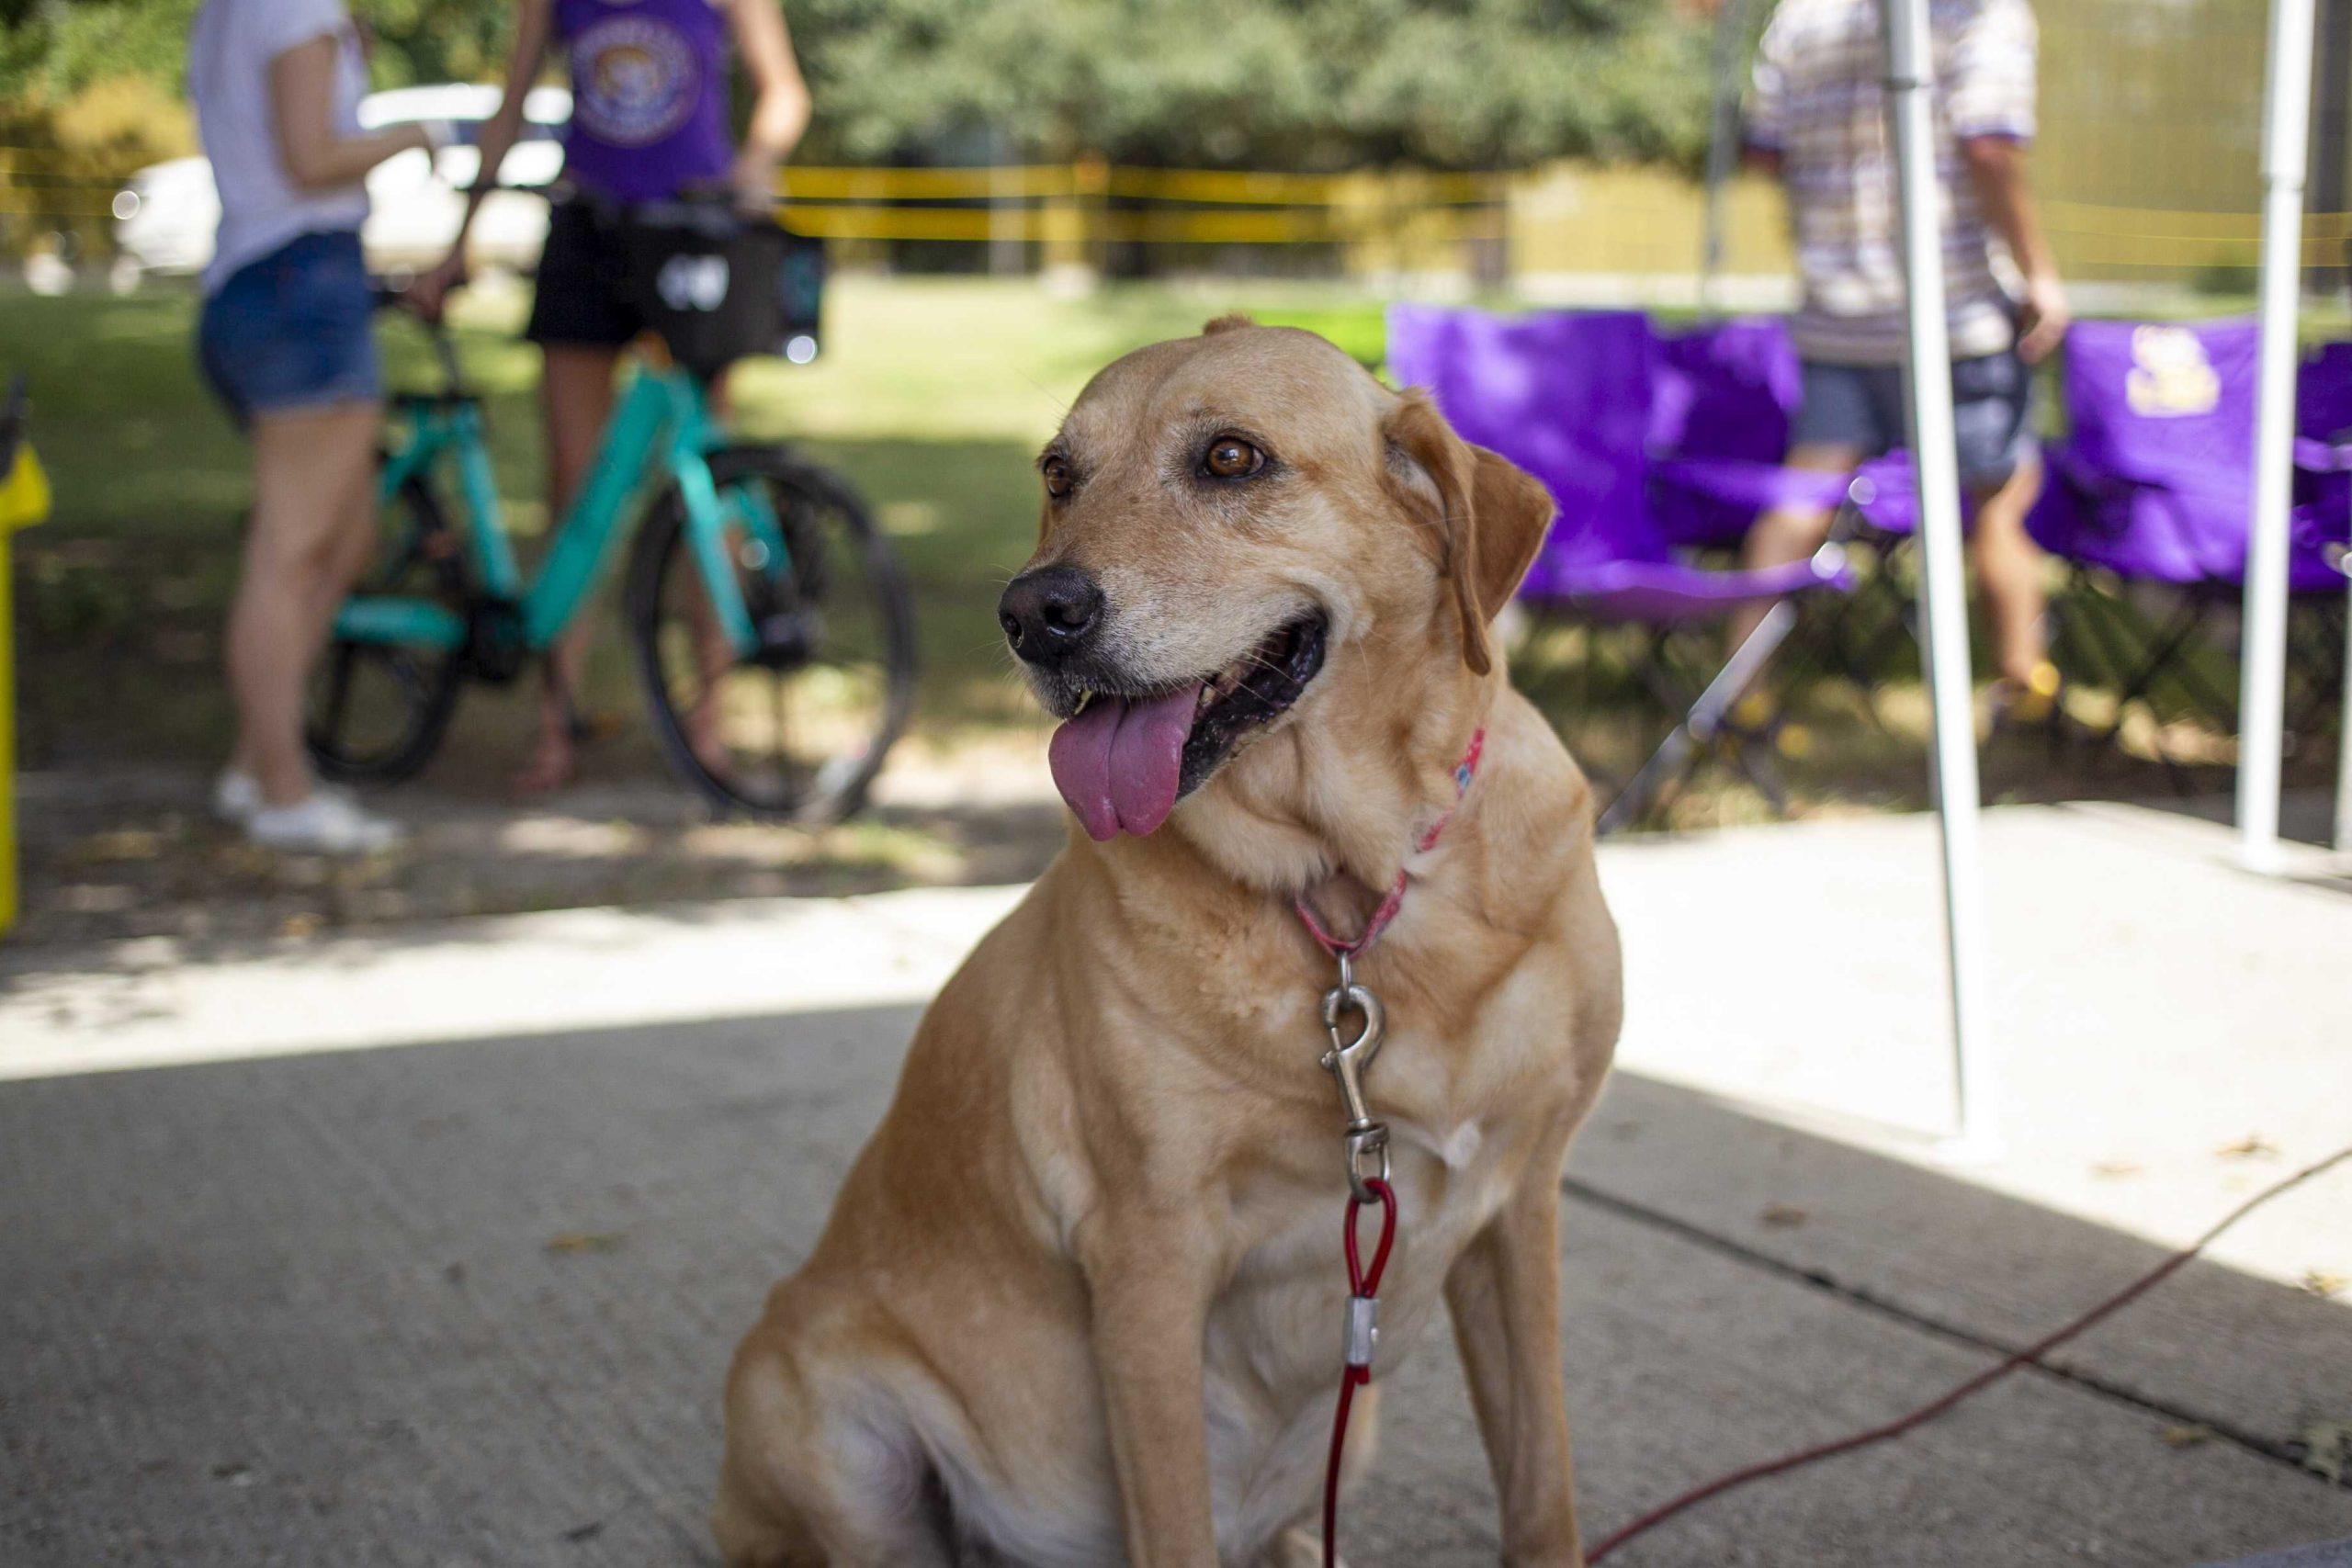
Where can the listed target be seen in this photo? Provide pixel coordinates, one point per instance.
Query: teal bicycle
(768, 618)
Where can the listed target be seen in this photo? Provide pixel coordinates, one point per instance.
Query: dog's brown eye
(1057, 477)
(1231, 457)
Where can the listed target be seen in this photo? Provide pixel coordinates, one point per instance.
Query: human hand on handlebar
(751, 182)
(428, 295)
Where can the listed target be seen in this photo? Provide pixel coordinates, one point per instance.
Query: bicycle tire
(830, 535)
(423, 561)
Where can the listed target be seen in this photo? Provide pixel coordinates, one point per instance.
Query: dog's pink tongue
(1118, 762)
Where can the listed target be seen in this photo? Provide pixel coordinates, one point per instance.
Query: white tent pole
(1944, 592)
(2286, 153)
(2342, 839)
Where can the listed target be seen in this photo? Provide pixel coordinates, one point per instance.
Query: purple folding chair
(2322, 519)
(2155, 484)
(1719, 431)
(1571, 399)
(2321, 531)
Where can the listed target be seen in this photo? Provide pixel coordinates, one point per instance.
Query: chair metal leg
(1704, 721)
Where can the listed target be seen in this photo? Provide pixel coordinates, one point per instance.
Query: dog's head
(1244, 532)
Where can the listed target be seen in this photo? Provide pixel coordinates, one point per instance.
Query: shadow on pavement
(470, 1304)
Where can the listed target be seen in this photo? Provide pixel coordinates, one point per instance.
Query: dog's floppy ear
(1493, 513)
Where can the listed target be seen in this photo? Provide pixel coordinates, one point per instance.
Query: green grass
(933, 397)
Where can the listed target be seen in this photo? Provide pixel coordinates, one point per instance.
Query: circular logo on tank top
(635, 80)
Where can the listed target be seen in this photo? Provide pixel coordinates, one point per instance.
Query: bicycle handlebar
(385, 295)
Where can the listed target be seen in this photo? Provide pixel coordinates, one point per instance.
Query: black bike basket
(719, 287)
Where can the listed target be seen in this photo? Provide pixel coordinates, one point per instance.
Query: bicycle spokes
(796, 725)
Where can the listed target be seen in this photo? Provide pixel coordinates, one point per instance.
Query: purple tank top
(648, 96)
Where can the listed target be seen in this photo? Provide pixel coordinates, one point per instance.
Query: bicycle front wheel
(797, 728)
(376, 711)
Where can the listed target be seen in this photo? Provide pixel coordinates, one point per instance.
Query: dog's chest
(1286, 1296)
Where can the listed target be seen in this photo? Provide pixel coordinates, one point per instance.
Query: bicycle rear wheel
(376, 711)
(798, 730)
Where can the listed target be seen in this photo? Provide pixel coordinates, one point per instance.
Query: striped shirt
(1819, 101)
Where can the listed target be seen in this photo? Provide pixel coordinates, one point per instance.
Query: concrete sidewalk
(468, 1303)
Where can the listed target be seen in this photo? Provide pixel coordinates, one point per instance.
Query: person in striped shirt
(1818, 118)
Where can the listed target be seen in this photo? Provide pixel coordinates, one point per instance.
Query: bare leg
(312, 520)
(2009, 565)
(1789, 533)
(576, 393)
(349, 552)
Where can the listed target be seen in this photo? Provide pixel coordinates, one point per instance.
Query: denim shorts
(1862, 407)
(291, 331)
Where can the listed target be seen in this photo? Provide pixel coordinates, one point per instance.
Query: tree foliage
(1271, 83)
(1277, 84)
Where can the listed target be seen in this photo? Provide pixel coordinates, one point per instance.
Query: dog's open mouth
(1124, 760)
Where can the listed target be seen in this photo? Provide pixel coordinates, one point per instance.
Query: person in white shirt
(285, 341)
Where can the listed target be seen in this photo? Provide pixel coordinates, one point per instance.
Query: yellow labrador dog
(1081, 1300)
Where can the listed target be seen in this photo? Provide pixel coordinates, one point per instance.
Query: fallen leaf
(2115, 1169)
(584, 1241)
(2321, 1283)
(297, 926)
(2327, 1450)
(2187, 1437)
(2254, 1146)
(127, 844)
(1782, 1216)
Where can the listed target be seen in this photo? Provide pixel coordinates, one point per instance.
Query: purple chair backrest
(2167, 410)
(2324, 395)
(1566, 397)
(2164, 402)
(1724, 392)
(2323, 499)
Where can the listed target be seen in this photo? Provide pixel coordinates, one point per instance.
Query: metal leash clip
(1347, 1061)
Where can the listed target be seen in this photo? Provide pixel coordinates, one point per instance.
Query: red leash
(1367, 1140)
(1363, 1292)
(2030, 1355)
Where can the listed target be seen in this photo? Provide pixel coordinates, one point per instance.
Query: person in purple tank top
(650, 115)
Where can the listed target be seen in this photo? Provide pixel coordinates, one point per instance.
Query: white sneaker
(323, 824)
(236, 795)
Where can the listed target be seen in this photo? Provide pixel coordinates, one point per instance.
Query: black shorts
(582, 301)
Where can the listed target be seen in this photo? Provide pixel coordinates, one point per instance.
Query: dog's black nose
(1050, 613)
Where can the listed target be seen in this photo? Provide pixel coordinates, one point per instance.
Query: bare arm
(532, 24)
(301, 96)
(780, 113)
(1996, 167)
(498, 137)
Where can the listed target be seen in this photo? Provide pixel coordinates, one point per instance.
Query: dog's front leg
(1504, 1295)
(1149, 1288)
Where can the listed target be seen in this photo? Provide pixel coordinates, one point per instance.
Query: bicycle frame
(661, 423)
